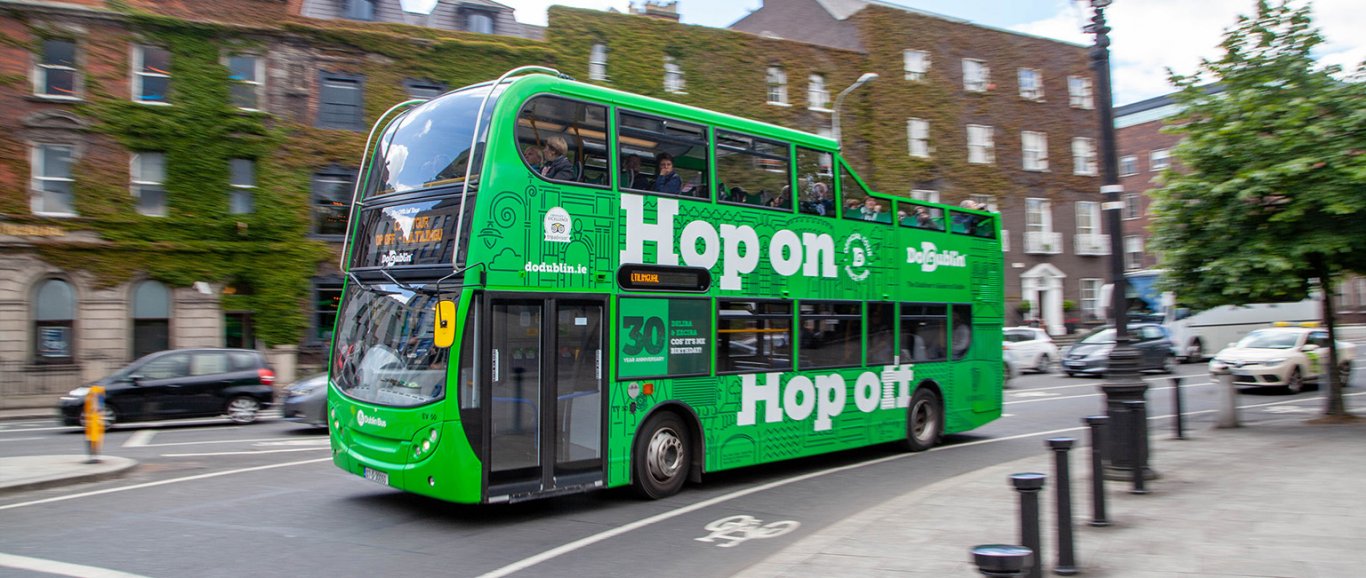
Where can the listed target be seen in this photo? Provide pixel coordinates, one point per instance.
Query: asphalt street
(215, 499)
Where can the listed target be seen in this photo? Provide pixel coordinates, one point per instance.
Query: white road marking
(246, 453)
(326, 442)
(60, 568)
(20, 439)
(1034, 394)
(166, 445)
(161, 483)
(140, 438)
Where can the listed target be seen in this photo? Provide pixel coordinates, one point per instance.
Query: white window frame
(915, 63)
(777, 85)
(259, 84)
(817, 95)
(674, 83)
(137, 181)
(138, 56)
(988, 201)
(1088, 218)
(1128, 165)
(976, 75)
(597, 62)
(918, 137)
(1038, 215)
(1079, 93)
(927, 195)
(1131, 207)
(1159, 160)
(982, 141)
(1090, 305)
(1034, 146)
(40, 71)
(1133, 252)
(248, 189)
(1033, 89)
(37, 162)
(1084, 156)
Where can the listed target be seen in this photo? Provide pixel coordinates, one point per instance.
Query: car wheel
(108, 413)
(1196, 352)
(1071, 374)
(243, 409)
(924, 421)
(662, 458)
(1045, 364)
(1294, 383)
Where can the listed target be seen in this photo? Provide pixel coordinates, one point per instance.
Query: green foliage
(1271, 193)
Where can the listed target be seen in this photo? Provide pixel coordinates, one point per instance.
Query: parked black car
(1091, 353)
(306, 400)
(182, 383)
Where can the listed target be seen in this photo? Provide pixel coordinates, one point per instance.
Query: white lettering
(820, 253)
(800, 397)
(798, 410)
(829, 399)
(930, 258)
(865, 392)
(638, 231)
(751, 393)
(711, 245)
(734, 239)
(785, 252)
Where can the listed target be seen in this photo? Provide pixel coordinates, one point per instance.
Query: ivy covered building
(177, 173)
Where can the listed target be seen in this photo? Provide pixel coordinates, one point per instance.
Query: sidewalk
(35, 472)
(1277, 497)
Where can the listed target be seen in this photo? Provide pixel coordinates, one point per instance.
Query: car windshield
(383, 351)
(1102, 336)
(429, 146)
(1269, 340)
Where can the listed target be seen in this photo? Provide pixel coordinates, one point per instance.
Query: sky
(1148, 37)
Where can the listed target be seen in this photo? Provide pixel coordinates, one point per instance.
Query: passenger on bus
(534, 157)
(631, 176)
(557, 166)
(667, 181)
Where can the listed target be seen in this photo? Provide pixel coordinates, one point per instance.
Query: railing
(1042, 243)
(24, 384)
(1092, 244)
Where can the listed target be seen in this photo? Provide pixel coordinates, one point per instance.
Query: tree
(1270, 201)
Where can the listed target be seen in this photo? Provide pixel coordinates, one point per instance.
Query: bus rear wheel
(662, 457)
(924, 421)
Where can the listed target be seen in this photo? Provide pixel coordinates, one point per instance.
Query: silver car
(306, 400)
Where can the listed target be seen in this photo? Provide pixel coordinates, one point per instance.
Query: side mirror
(136, 379)
(1309, 347)
(443, 330)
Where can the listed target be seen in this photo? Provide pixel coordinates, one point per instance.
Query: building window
(55, 75)
(817, 97)
(1035, 146)
(1088, 218)
(151, 318)
(151, 74)
(1131, 206)
(52, 181)
(425, 89)
(1133, 252)
(148, 174)
(777, 86)
(1038, 216)
(918, 137)
(479, 21)
(673, 76)
(976, 75)
(332, 202)
(1079, 92)
(1090, 292)
(242, 179)
(981, 145)
(1031, 84)
(1159, 160)
(597, 62)
(326, 299)
(987, 201)
(341, 102)
(360, 9)
(248, 75)
(916, 63)
(1084, 156)
(926, 195)
(1128, 165)
(54, 307)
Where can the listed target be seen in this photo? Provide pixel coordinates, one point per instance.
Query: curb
(110, 467)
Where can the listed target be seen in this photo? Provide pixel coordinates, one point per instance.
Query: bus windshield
(383, 352)
(429, 146)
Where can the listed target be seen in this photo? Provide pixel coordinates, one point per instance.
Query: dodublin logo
(860, 252)
(395, 257)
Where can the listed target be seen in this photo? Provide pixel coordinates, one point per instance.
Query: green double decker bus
(554, 287)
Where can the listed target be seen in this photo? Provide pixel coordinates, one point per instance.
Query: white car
(1286, 357)
(1031, 348)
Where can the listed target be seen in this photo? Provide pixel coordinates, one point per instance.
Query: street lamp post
(1127, 437)
(839, 100)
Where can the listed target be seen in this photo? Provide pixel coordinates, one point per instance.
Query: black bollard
(1002, 560)
(1176, 401)
(1066, 565)
(1029, 484)
(1139, 417)
(1097, 423)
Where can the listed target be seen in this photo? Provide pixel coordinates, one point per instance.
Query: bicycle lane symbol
(741, 528)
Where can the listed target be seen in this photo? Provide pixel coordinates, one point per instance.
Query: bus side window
(962, 331)
(921, 217)
(881, 331)
(858, 204)
(753, 336)
(815, 182)
(672, 155)
(923, 332)
(755, 171)
(564, 140)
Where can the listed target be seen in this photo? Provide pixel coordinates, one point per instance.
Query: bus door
(546, 395)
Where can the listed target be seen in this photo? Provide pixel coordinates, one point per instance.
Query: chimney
(665, 9)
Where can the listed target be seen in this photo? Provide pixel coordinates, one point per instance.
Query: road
(214, 499)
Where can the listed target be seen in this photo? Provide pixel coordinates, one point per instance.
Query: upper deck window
(858, 204)
(430, 145)
(753, 171)
(662, 155)
(564, 140)
(816, 182)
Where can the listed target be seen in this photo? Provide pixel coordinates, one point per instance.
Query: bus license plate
(377, 476)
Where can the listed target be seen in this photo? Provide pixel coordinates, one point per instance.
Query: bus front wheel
(662, 457)
(924, 421)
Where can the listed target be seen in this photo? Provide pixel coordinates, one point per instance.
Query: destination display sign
(412, 234)
(633, 277)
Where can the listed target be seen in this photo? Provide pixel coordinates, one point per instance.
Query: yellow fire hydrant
(94, 422)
